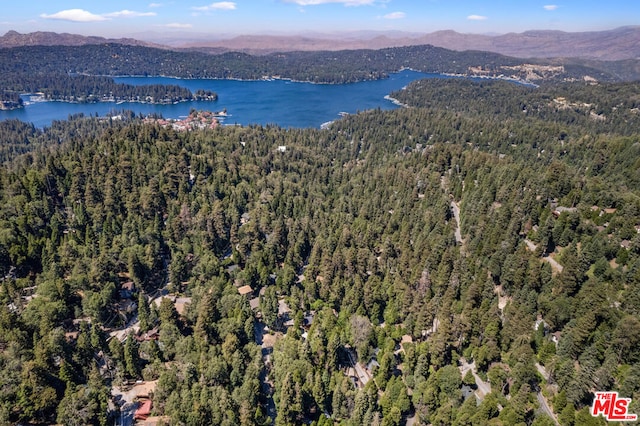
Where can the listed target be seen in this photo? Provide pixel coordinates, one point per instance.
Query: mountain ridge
(609, 45)
(48, 38)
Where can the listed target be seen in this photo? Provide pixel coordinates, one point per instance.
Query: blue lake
(281, 102)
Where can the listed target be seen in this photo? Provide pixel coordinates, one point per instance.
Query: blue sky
(118, 18)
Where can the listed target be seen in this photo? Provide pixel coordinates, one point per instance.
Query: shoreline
(249, 80)
(396, 102)
(273, 78)
(292, 80)
(497, 77)
(103, 101)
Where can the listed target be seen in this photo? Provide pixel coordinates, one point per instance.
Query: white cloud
(178, 25)
(128, 14)
(345, 2)
(221, 5)
(152, 5)
(395, 15)
(476, 18)
(81, 15)
(550, 7)
(74, 15)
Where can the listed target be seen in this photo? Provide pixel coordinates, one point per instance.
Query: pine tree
(131, 357)
(143, 313)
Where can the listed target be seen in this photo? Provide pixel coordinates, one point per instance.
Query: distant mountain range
(611, 45)
(618, 44)
(45, 38)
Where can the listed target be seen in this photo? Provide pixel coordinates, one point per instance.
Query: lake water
(281, 102)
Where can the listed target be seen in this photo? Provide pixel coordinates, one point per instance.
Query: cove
(279, 102)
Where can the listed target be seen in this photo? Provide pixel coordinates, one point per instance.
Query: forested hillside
(342, 66)
(471, 259)
(321, 67)
(84, 73)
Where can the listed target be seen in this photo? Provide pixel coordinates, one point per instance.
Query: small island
(93, 89)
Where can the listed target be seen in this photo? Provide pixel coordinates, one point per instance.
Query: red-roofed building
(143, 411)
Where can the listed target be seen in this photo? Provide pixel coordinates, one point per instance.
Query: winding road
(456, 214)
(265, 382)
(544, 405)
(555, 266)
(483, 387)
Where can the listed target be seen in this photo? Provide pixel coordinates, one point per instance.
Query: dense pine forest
(320, 67)
(343, 66)
(470, 259)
